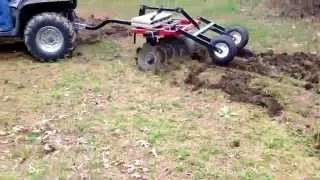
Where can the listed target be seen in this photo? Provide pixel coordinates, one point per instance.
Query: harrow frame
(180, 28)
(187, 27)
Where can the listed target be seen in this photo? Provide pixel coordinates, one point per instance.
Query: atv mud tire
(49, 36)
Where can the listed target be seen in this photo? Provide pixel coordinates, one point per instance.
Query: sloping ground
(96, 116)
(300, 70)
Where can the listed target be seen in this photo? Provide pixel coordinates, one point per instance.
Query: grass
(101, 109)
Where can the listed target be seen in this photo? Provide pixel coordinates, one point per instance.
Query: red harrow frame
(168, 37)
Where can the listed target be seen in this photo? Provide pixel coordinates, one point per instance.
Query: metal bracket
(204, 29)
(144, 8)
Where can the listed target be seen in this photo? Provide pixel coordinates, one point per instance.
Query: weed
(36, 171)
(9, 176)
(275, 143)
(206, 172)
(206, 151)
(23, 152)
(182, 153)
(32, 136)
(180, 167)
(227, 113)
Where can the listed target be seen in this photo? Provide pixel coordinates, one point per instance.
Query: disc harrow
(170, 38)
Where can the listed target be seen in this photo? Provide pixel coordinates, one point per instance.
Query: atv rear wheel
(224, 50)
(49, 36)
(240, 36)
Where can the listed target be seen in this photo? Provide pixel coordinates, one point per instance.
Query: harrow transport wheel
(150, 58)
(49, 36)
(240, 36)
(226, 50)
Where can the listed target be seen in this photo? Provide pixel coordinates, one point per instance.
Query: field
(96, 116)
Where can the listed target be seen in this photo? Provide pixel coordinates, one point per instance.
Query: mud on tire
(49, 36)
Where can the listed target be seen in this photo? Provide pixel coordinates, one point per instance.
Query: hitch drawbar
(102, 24)
(169, 35)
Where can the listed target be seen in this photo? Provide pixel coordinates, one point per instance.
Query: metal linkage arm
(183, 12)
(215, 27)
(105, 22)
(144, 8)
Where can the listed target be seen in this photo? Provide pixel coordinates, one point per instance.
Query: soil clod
(235, 143)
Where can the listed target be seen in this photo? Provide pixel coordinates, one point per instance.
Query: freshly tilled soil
(300, 65)
(236, 84)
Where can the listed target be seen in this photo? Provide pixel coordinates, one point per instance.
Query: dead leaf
(3, 133)
(20, 129)
(131, 169)
(154, 152)
(4, 141)
(137, 162)
(136, 175)
(105, 160)
(145, 170)
(144, 144)
(48, 148)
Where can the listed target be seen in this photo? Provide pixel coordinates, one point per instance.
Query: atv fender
(22, 3)
(31, 2)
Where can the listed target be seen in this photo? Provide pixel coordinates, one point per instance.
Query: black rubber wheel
(240, 36)
(226, 50)
(167, 44)
(180, 48)
(150, 58)
(49, 36)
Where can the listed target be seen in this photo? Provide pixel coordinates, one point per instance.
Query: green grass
(99, 103)
(283, 35)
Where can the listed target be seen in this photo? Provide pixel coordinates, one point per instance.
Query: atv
(45, 26)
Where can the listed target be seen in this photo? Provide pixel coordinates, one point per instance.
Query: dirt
(12, 50)
(297, 9)
(302, 12)
(237, 85)
(300, 65)
(90, 37)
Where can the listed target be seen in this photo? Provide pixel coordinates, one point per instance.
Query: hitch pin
(80, 26)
